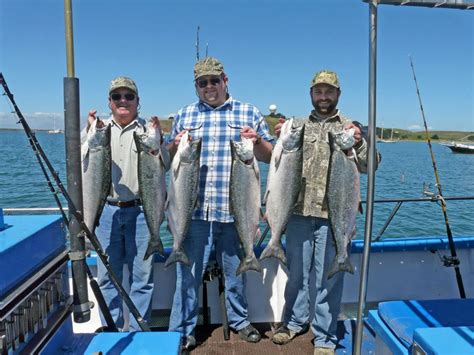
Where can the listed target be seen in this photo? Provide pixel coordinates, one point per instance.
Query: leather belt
(130, 203)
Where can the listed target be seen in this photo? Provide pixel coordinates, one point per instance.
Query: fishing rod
(92, 282)
(77, 214)
(454, 261)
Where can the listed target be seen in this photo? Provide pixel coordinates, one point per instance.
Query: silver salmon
(283, 186)
(343, 197)
(96, 173)
(153, 161)
(183, 195)
(245, 200)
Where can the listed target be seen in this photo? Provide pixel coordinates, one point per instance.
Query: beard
(325, 107)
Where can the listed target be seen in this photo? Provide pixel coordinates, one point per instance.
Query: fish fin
(165, 157)
(152, 248)
(337, 266)
(267, 192)
(176, 170)
(248, 263)
(278, 159)
(177, 256)
(258, 234)
(256, 170)
(84, 151)
(275, 251)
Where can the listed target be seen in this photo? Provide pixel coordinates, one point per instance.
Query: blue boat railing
(398, 201)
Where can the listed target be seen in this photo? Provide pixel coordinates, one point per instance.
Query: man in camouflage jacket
(309, 243)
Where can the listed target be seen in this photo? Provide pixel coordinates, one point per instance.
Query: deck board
(210, 339)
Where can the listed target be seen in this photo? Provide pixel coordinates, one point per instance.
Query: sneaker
(188, 343)
(250, 334)
(284, 335)
(323, 351)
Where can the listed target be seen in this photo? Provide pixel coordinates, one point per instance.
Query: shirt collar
(227, 105)
(314, 116)
(136, 122)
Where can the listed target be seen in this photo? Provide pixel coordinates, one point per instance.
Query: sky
(270, 50)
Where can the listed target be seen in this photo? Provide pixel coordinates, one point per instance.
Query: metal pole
(81, 308)
(69, 38)
(371, 164)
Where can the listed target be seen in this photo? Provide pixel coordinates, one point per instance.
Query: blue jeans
(198, 243)
(309, 245)
(124, 235)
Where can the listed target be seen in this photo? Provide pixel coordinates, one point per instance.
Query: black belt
(131, 203)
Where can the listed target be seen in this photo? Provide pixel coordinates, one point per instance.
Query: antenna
(207, 48)
(197, 44)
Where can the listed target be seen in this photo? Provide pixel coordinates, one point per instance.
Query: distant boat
(381, 140)
(460, 148)
(54, 130)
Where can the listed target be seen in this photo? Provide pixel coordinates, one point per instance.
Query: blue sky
(270, 50)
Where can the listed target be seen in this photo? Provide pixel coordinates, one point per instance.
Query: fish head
(290, 136)
(344, 139)
(242, 150)
(150, 139)
(188, 150)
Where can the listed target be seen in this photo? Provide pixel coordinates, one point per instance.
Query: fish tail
(177, 256)
(275, 251)
(155, 246)
(340, 266)
(249, 263)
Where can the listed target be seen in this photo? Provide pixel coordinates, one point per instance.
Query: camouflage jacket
(312, 200)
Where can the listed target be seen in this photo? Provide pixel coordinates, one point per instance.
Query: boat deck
(210, 339)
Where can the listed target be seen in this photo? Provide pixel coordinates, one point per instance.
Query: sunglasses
(202, 83)
(118, 97)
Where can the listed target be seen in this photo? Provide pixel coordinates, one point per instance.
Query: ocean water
(405, 167)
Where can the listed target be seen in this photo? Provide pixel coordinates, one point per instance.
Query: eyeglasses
(118, 97)
(202, 83)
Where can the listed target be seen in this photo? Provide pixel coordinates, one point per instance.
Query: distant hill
(398, 133)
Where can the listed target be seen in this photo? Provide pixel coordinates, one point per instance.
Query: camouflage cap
(208, 66)
(123, 82)
(325, 77)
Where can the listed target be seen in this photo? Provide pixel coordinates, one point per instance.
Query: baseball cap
(325, 77)
(208, 66)
(123, 82)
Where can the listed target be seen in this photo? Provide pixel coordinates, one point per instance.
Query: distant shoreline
(410, 136)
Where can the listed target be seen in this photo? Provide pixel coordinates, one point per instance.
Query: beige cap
(208, 66)
(123, 82)
(325, 77)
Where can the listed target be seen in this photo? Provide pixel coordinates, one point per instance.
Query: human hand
(178, 137)
(92, 117)
(250, 133)
(155, 122)
(278, 126)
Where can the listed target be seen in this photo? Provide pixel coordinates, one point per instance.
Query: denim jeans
(198, 243)
(309, 245)
(124, 235)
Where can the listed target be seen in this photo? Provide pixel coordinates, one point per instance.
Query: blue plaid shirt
(216, 127)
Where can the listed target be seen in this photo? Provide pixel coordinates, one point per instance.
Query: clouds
(36, 120)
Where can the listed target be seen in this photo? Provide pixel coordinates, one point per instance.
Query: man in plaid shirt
(216, 118)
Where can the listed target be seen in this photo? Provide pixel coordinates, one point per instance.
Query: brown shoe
(323, 351)
(284, 335)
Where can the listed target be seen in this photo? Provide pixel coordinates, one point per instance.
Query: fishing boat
(460, 148)
(415, 303)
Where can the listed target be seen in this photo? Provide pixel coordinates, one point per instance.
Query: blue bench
(438, 325)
